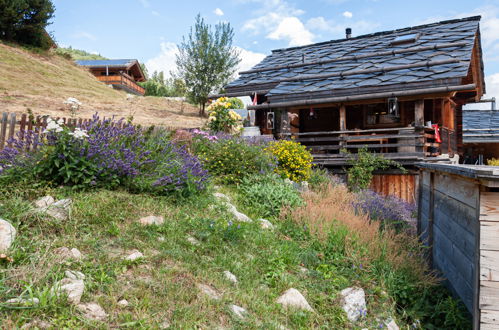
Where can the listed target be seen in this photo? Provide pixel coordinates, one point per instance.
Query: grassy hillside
(78, 54)
(41, 82)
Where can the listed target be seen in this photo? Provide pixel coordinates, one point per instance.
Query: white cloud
(218, 12)
(145, 3)
(292, 29)
(249, 59)
(348, 14)
(165, 61)
(336, 29)
(84, 35)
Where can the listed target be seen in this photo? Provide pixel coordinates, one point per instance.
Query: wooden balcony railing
(122, 81)
(404, 144)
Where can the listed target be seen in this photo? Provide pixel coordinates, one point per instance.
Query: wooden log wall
(402, 186)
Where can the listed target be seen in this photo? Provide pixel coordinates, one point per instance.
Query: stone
(353, 302)
(231, 277)
(44, 202)
(152, 220)
(73, 289)
(238, 311)
(123, 303)
(209, 291)
(265, 224)
(7, 235)
(65, 253)
(74, 275)
(59, 210)
(23, 301)
(392, 325)
(36, 324)
(92, 311)
(165, 324)
(222, 197)
(293, 298)
(192, 240)
(134, 255)
(240, 216)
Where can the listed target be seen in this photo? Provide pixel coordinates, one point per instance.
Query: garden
(204, 229)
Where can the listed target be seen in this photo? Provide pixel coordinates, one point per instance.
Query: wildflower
(54, 126)
(79, 133)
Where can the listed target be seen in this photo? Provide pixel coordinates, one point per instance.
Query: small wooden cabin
(384, 90)
(480, 135)
(121, 74)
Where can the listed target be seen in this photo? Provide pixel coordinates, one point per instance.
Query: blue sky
(149, 29)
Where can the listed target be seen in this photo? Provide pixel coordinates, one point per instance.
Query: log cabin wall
(458, 219)
(403, 186)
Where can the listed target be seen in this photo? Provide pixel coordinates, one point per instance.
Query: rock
(192, 240)
(265, 224)
(152, 220)
(59, 210)
(36, 324)
(73, 289)
(231, 277)
(74, 275)
(23, 301)
(123, 303)
(134, 255)
(222, 197)
(209, 291)
(293, 298)
(65, 253)
(238, 311)
(7, 235)
(353, 303)
(44, 202)
(240, 216)
(392, 325)
(165, 325)
(93, 311)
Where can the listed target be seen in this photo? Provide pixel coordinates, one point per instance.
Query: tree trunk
(201, 110)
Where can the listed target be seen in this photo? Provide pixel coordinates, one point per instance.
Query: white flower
(79, 133)
(53, 125)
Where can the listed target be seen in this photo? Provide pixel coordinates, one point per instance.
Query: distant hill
(42, 82)
(78, 54)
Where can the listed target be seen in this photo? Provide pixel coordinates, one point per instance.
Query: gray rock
(74, 275)
(7, 235)
(165, 324)
(152, 220)
(123, 303)
(353, 302)
(222, 197)
(265, 224)
(44, 202)
(293, 298)
(231, 277)
(36, 324)
(66, 253)
(239, 312)
(134, 255)
(73, 288)
(59, 210)
(92, 311)
(23, 301)
(192, 240)
(241, 217)
(209, 291)
(392, 325)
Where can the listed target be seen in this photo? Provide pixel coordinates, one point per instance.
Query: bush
(222, 119)
(493, 162)
(293, 159)
(268, 194)
(231, 159)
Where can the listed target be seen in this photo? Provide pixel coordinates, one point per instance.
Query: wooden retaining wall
(403, 186)
(459, 221)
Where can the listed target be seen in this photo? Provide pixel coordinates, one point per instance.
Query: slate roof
(104, 63)
(481, 126)
(447, 65)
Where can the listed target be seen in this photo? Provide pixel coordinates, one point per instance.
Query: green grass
(162, 286)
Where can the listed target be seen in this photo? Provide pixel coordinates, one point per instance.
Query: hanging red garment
(255, 102)
(437, 133)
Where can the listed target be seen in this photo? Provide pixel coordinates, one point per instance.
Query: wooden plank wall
(489, 260)
(400, 185)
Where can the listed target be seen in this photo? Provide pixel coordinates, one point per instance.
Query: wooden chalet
(480, 135)
(384, 90)
(121, 74)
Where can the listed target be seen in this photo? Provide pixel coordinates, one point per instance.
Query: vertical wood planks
(3, 130)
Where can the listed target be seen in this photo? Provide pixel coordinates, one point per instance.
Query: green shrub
(268, 194)
(293, 159)
(229, 160)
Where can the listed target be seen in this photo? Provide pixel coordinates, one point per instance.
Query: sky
(149, 30)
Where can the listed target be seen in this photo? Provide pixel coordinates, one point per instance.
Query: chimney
(348, 32)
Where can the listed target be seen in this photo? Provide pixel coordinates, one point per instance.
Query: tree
(206, 60)
(158, 85)
(24, 21)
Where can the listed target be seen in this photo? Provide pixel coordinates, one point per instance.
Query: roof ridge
(465, 19)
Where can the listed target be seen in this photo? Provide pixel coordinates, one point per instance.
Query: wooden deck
(124, 82)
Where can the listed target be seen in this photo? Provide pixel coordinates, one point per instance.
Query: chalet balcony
(124, 82)
(407, 145)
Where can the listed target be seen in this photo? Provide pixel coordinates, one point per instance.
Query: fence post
(3, 129)
(12, 127)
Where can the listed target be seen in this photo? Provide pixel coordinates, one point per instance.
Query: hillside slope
(42, 83)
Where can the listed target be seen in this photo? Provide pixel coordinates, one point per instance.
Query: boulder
(73, 289)
(239, 312)
(7, 235)
(44, 202)
(222, 197)
(59, 210)
(265, 224)
(353, 302)
(293, 298)
(74, 275)
(231, 277)
(152, 220)
(134, 255)
(209, 291)
(92, 311)
(66, 253)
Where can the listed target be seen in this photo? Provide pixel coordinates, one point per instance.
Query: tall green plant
(206, 60)
(362, 167)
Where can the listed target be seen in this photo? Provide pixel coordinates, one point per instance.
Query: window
(378, 114)
(405, 39)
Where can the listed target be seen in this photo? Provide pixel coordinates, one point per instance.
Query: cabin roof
(481, 126)
(126, 64)
(430, 55)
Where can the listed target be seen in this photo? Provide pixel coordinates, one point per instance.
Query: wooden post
(11, 128)
(3, 130)
(419, 113)
(343, 118)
